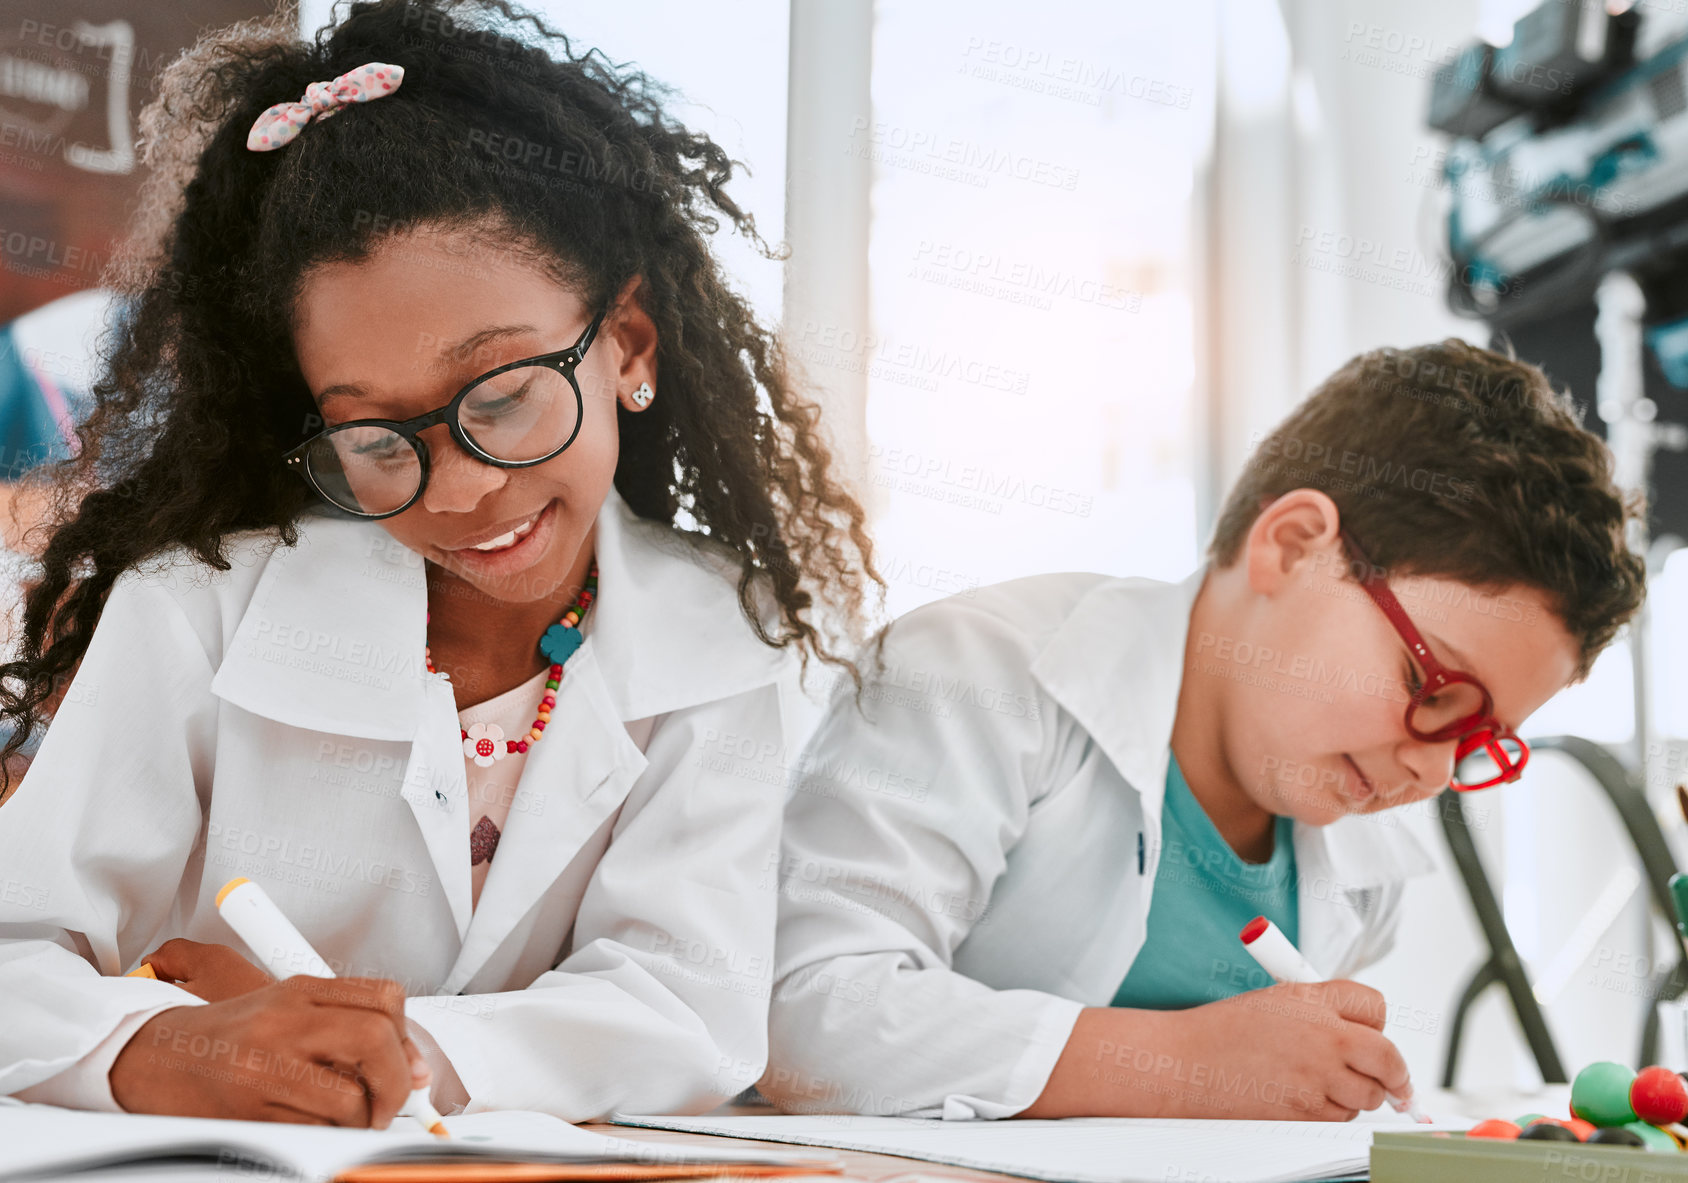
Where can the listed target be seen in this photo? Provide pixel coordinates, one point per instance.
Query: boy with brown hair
(1114, 775)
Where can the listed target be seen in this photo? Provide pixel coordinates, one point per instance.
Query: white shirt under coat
(960, 872)
(276, 721)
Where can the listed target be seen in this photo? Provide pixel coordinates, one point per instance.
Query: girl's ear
(634, 333)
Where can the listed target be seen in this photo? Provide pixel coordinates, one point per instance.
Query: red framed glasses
(1449, 704)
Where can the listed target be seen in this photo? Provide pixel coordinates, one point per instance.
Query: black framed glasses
(521, 414)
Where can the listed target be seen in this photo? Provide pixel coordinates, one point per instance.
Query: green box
(1441, 1157)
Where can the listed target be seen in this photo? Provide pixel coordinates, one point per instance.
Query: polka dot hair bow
(278, 126)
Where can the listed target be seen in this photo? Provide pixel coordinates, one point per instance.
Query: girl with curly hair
(436, 556)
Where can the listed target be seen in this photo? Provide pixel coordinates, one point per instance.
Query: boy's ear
(1296, 533)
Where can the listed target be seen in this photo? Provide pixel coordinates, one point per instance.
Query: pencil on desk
(591, 1172)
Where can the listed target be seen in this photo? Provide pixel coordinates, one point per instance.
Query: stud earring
(642, 396)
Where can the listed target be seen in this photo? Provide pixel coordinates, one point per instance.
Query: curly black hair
(499, 130)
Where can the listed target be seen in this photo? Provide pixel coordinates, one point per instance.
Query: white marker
(1272, 949)
(283, 949)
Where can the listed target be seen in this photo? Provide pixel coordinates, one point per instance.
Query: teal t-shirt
(1203, 896)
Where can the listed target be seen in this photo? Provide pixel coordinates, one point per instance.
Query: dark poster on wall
(74, 75)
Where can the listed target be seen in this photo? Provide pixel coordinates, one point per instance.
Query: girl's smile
(504, 552)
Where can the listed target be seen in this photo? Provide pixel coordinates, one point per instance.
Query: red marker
(1278, 957)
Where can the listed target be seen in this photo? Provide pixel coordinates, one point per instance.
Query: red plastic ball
(1582, 1129)
(1494, 1128)
(1659, 1095)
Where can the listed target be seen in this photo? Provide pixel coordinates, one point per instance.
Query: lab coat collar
(669, 630)
(1339, 870)
(1361, 851)
(333, 637)
(1116, 664)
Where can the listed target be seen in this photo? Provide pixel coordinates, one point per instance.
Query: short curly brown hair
(1454, 461)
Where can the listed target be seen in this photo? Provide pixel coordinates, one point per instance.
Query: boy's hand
(213, 972)
(1300, 1052)
(323, 1051)
(1307, 1053)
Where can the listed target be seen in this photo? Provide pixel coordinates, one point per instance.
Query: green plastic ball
(1655, 1138)
(1600, 1094)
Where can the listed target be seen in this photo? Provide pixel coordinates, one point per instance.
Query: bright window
(1032, 374)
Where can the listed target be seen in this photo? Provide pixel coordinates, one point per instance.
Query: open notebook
(42, 1141)
(1084, 1149)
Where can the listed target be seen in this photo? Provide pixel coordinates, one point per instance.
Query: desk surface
(875, 1168)
(883, 1168)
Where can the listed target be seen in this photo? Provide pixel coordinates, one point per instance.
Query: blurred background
(1054, 270)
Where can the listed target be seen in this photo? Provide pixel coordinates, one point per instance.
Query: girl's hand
(213, 972)
(322, 1051)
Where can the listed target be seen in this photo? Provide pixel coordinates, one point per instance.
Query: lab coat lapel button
(437, 791)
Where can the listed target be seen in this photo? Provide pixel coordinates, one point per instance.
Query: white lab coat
(276, 721)
(959, 876)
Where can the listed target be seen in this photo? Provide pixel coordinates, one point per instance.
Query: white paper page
(41, 1137)
(38, 1137)
(1080, 1150)
(539, 1136)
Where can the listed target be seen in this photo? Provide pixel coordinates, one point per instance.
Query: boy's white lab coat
(961, 875)
(275, 721)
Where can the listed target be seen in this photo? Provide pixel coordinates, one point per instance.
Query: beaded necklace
(488, 744)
